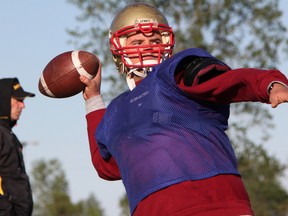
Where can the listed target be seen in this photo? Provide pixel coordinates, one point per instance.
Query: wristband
(94, 103)
(270, 86)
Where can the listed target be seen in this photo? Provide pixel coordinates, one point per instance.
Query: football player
(165, 137)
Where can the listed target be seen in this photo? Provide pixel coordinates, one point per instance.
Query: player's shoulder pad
(200, 69)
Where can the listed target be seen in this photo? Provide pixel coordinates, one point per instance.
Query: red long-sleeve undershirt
(237, 85)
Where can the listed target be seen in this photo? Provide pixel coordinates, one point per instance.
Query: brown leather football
(60, 77)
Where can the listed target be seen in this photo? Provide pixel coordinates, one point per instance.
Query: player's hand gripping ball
(60, 77)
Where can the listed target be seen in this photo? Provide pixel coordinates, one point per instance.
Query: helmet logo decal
(145, 24)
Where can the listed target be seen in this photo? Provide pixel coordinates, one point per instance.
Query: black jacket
(15, 190)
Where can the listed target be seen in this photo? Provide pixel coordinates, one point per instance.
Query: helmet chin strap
(130, 82)
(140, 72)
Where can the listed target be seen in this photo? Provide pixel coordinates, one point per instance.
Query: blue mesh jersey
(159, 136)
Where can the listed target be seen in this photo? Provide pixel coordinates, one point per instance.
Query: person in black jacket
(15, 191)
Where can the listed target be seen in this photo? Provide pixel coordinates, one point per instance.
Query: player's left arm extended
(238, 85)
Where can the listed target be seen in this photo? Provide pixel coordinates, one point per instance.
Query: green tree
(50, 191)
(90, 207)
(242, 33)
(261, 173)
(125, 211)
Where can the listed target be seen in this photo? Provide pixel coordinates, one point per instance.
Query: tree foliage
(124, 206)
(261, 173)
(51, 193)
(242, 33)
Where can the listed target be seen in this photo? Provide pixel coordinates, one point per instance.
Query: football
(60, 77)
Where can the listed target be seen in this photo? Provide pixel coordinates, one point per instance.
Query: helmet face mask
(140, 18)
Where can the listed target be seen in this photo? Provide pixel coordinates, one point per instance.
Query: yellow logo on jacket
(1, 190)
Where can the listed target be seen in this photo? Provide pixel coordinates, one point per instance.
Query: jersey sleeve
(106, 169)
(238, 85)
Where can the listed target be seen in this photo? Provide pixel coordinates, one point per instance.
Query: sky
(32, 33)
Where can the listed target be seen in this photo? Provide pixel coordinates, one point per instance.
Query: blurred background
(33, 32)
